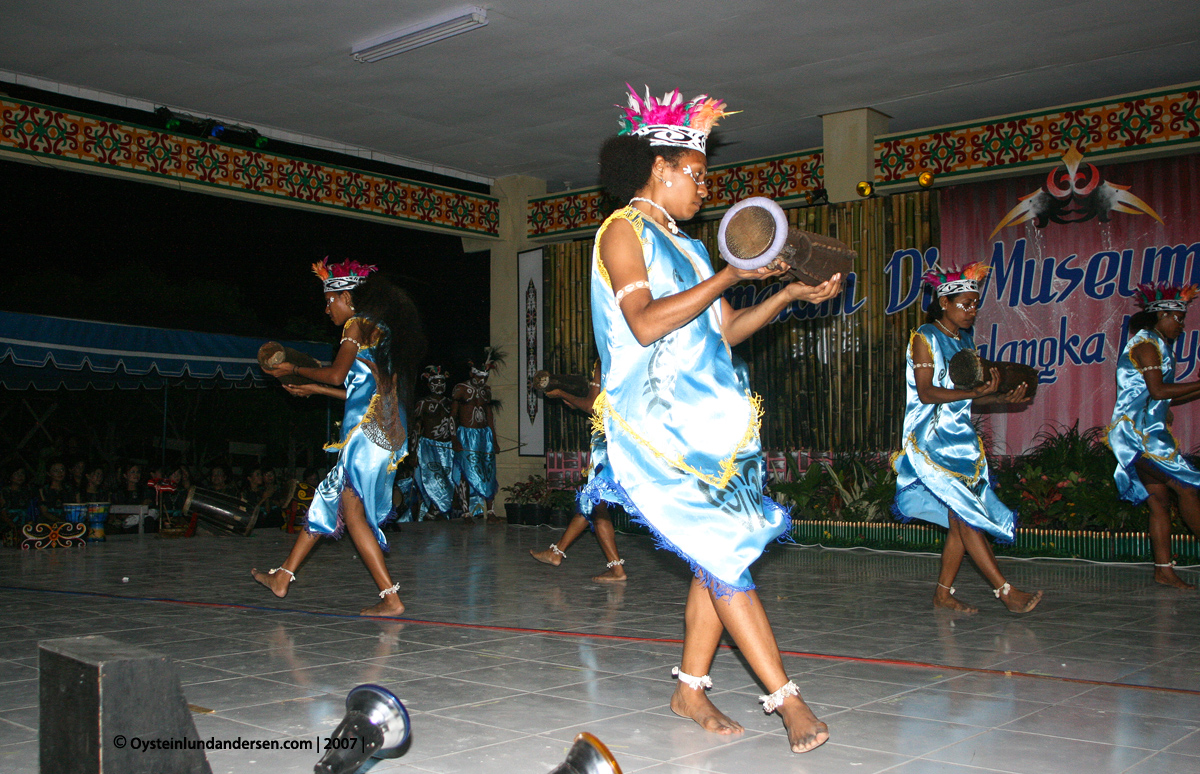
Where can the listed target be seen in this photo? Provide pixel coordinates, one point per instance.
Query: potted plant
(524, 499)
(561, 506)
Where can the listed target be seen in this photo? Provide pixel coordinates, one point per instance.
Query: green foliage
(850, 486)
(1066, 482)
(532, 491)
(560, 499)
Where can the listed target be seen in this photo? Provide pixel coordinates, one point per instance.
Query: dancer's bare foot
(388, 607)
(549, 556)
(805, 731)
(277, 583)
(611, 575)
(1167, 577)
(693, 703)
(942, 598)
(1019, 601)
(492, 518)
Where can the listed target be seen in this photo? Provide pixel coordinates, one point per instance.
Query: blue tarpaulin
(51, 353)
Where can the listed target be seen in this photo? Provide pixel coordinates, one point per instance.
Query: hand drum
(572, 384)
(273, 354)
(755, 232)
(968, 371)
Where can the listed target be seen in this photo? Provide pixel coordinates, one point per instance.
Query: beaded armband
(632, 286)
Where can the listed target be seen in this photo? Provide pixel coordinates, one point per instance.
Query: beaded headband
(432, 372)
(965, 280)
(1166, 298)
(346, 275)
(671, 121)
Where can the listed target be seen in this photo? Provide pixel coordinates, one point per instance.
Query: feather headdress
(346, 275)
(493, 358)
(671, 121)
(432, 372)
(949, 282)
(1162, 297)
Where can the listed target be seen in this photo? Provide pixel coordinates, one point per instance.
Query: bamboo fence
(831, 383)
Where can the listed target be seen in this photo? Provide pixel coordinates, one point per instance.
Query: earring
(667, 183)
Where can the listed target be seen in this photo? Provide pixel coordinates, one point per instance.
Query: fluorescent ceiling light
(446, 25)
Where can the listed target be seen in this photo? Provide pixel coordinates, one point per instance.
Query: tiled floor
(486, 700)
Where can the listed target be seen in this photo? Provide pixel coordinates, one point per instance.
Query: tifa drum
(968, 371)
(221, 512)
(97, 514)
(75, 513)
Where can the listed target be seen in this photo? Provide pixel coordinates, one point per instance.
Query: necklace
(947, 330)
(670, 221)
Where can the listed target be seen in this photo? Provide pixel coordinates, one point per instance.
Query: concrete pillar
(849, 150)
(514, 193)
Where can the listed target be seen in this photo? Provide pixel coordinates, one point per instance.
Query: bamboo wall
(831, 383)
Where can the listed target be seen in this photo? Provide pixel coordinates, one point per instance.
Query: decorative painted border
(785, 179)
(1118, 126)
(28, 128)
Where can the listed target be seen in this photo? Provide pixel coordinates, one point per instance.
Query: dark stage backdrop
(101, 248)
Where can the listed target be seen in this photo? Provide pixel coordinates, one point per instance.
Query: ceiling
(533, 92)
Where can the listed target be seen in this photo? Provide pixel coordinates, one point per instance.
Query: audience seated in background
(218, 480)
(130, 490)
(53, 492)
(94, 486)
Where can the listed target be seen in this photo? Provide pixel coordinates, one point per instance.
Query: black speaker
(97, 696)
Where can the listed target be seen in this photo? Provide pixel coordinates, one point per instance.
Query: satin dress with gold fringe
(1139, 428)
(941, 465)
(373, 443)
(680, 423)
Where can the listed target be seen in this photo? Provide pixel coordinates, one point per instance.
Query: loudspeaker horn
(377, 720)
(588, 755)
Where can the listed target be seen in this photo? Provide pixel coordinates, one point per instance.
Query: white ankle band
(771, 702)
(616, 563)
(554, 547)
(691, 681)
(951, 589)
(389, 590)
(1168, 564)
(1002, 590)
(291, 579)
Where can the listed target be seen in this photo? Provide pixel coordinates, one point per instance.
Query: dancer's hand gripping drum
(755, 232)
(273, 355)
(572, 384)
(968, 371)
(376, 724)
(588, 755)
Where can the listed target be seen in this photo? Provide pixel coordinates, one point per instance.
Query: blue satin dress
(941, 465)
(364, 465)
(1139, 424)
(681, 425)
(598, 469)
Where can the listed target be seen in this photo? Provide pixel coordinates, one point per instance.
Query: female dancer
(590, 512)
(941, 470)
(1149, 465)
(375, 361)
(681, 425)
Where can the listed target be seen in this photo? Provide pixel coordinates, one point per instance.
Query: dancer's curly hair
(626, 162)
(404, 350)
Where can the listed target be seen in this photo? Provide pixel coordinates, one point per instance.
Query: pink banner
(1059, 297)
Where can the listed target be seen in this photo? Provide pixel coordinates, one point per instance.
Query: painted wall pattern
(1149, 120)
(37, 130)
(786, 179)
